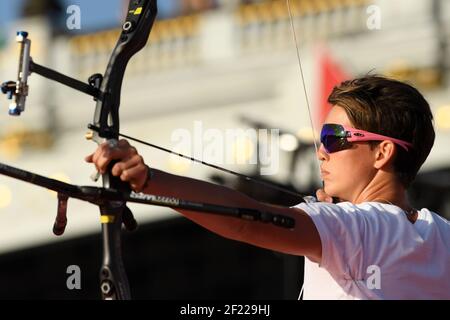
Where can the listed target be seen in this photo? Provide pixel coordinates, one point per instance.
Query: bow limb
(141, 15)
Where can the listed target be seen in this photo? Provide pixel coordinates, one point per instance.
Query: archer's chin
(330, 189)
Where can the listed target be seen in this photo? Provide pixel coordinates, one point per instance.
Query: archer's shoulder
(433, 216)
(429, 220)
(341, 207)
(348, 210)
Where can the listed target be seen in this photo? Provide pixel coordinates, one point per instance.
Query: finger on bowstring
(323, 197)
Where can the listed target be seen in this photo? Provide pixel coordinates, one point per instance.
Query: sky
(94, 14)
(8, 9)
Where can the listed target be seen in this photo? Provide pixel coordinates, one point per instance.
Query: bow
(135, 32)
(113, 196)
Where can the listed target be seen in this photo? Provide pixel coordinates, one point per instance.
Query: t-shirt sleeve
(339, 232)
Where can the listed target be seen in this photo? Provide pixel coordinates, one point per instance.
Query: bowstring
(303, 83)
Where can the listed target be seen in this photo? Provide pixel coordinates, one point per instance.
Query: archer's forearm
(303, 239)
(163, 183)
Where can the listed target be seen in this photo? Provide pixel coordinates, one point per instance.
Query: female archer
(372, 244)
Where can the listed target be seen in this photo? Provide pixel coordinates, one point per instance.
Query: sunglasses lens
(333, 138)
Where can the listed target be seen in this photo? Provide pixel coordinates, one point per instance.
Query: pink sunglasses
(336, 137)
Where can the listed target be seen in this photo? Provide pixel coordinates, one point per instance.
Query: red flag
(331, 74)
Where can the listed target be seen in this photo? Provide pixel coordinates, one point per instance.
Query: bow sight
(19, 89)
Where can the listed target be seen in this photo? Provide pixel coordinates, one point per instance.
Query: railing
(259, 27)
(173, 42)
(267, 24)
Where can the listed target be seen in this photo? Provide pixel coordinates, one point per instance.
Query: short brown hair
(391, 108)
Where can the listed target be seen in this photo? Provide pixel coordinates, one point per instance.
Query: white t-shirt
(372, 251)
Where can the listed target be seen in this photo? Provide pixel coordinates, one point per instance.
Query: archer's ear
(384, 154)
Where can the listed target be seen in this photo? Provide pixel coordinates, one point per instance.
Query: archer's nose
(322, 154)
